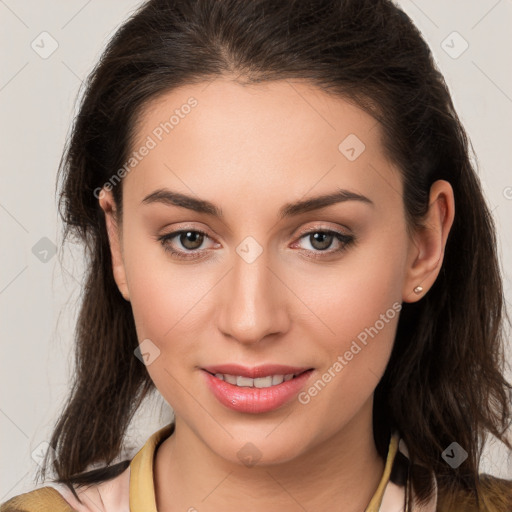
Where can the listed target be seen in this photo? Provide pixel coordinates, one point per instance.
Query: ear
(108, 205)
(426, 250)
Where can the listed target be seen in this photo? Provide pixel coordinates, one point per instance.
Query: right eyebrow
(171, 198)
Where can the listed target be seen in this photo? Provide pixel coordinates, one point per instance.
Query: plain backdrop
(471, 42)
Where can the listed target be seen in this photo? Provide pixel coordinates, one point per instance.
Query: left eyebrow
(315, 203)
(169, 197)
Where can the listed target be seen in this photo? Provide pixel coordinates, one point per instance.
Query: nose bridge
(253, 305)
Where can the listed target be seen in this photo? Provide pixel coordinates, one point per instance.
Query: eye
(322, 239)
(189, 239)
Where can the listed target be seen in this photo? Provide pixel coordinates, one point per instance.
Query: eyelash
(345, 240)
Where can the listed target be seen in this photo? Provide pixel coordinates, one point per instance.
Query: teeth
(261, 382)
(277, 379)
(245, 381)
(231, 379)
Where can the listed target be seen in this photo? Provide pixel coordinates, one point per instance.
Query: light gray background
(38, 299)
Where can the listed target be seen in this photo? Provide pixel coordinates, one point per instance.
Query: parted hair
(445, 380)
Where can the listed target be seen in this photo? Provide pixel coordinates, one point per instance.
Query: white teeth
(277, 379)
(244, 381)
(261, 382)
(231, 379)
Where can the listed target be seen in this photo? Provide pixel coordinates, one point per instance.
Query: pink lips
(252, 399)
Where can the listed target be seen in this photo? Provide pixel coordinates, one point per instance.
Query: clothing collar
(390, 495)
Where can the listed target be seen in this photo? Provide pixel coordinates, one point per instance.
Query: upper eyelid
(307, 231)
(313, 229)
(321, 225)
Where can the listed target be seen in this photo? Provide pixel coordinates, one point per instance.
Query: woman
(287, 240)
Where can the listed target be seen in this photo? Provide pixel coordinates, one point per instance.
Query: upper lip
(256, 371)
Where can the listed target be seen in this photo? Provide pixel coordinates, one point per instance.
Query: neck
(341, 473)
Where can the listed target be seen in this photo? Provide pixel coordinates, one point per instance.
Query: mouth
(256, 390)
(259, 382)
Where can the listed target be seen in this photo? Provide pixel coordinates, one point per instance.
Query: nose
(254, 303)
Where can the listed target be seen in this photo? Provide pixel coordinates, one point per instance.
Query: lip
(257, 371)
(256, 400)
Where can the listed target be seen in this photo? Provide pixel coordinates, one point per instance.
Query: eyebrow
(171, 198)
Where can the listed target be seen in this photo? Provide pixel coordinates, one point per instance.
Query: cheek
(159, 291)
(359, 310)
(169, 304)
(164, 315)
(354, 358)
(353, 294)
(166, 307)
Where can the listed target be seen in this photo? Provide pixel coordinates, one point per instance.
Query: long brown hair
(445, 378)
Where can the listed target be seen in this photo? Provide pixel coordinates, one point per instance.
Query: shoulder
(496, 496)
(39, 500)
(107, 496)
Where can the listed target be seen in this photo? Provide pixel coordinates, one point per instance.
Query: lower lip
(255, 400)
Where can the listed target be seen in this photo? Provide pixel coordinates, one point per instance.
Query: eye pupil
(193, 237)
(322, 238)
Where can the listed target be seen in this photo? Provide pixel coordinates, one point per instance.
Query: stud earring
(418, 289)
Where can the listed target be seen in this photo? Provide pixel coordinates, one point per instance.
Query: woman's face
(268, 283)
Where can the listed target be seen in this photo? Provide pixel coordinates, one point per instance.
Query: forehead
(258, 142)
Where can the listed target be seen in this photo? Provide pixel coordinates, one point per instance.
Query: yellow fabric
(142, 487)
(38, 500)
(375, 502)
(142, 491)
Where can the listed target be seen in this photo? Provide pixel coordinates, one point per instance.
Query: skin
(250, 150)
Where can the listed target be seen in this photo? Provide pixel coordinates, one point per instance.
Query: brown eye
(191, 240)
(325, 242)
(184, 244)
(321, 240)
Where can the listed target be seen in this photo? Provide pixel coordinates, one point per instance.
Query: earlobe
(107, 204)
(426, 251)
